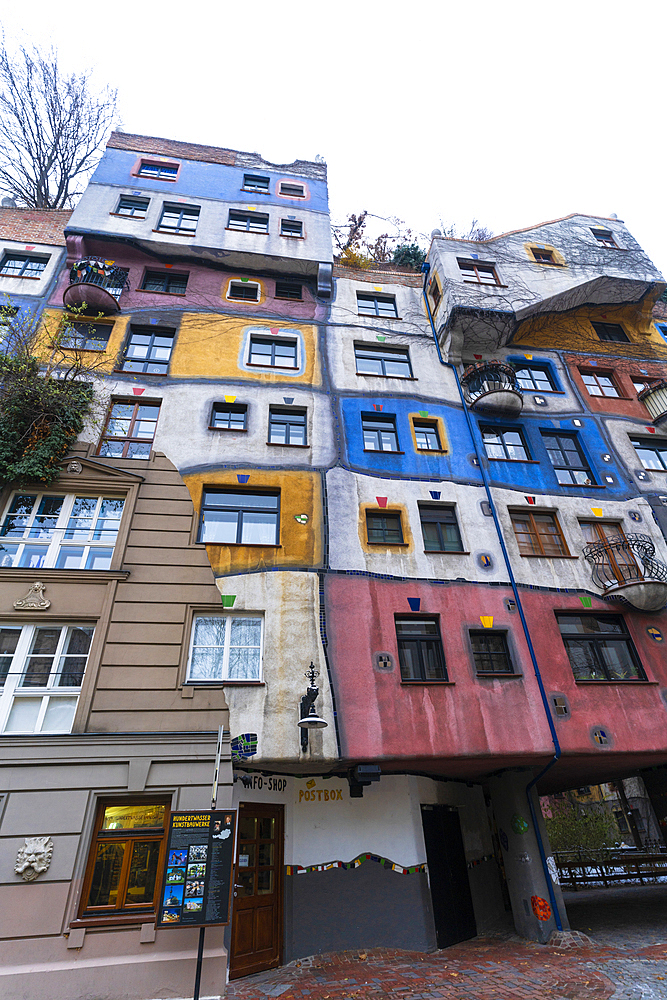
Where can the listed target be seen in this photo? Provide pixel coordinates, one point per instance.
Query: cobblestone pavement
(627, 960)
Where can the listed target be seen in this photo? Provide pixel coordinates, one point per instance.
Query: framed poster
(197, 883)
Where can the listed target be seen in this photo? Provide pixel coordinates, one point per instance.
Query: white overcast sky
(511, 112)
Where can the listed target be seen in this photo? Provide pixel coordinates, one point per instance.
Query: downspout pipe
(474, 434)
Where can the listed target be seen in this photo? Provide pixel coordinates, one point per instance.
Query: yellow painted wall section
(105, 360)
(573, 330)
(208, 345)
(300, 544)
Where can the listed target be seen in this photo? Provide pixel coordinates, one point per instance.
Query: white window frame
(53, 538)
(224, 671)
(249, 284)
(12, 691)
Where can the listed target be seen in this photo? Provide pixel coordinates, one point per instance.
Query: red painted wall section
(476, 717)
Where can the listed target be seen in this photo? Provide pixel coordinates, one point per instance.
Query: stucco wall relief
(34, 600)
(34, 858)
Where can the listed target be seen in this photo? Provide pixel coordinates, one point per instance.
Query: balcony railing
(654, 398)
(626, 567)
(97, 283)
(492, 386)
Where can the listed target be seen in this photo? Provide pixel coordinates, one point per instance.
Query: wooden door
(257, 919)
(448, 876)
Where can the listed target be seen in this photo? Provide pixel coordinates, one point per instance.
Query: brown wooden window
(481, 274)
(130, 430)
(538, 534)
(126, 858)
(599, 383)
(619, 562)
(543, 256)
(605, 238)
(435, 293)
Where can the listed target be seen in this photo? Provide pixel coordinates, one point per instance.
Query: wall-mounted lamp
(309, 717)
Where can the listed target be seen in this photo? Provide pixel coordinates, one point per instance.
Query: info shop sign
(197, 884)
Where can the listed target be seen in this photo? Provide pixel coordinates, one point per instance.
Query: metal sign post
(214, 802)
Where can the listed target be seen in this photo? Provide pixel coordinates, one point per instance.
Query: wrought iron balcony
(492, 387)
(624, 567)
(95, 284)
(654, 398)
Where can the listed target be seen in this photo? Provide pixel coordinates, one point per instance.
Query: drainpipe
(472, 428)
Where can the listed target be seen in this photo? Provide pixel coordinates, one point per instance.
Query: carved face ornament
(34, 857)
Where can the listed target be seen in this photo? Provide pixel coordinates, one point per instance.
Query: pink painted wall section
(206, 288)
(477, 717)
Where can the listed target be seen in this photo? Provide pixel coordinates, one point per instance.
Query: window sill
(376, 451)
(401, 378)
(109, 921)
(171, 232)
(23, 277)
(121, 215)
(282, 368)
(537, 555)
(483, 284)
(252, 302)
(254, 191)
(63, 575)
(88, 350)
(286, 298)
(281, 444)
(149, 291)
(439, 683)
(373, 316)
(494, 674)
(430, 451)
(518, 461)
(214, 685)
(128, 371)
(447, 552)
(639, 680)
(237, 430)
(242, 545)
(251, 232)
(392, 545)
(290, 236)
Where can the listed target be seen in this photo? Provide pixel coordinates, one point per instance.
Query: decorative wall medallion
(523, 859)
(530, 500)
(75, 468)
(485, 560)
(510, 605)
(539, 400)
(485, 507)
(384, 662)
(34, 857)
(541, 908)
(301, 518)
(34, 600)
(486, 620)
(519, 824)
(228, 600)
(655, 633)
(640, 474)
(606, 458)
(435, 494)
(585, 600)
(634, 515)
(415, 603)
(601, 737)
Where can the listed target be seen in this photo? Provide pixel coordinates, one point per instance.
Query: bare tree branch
(52, 128)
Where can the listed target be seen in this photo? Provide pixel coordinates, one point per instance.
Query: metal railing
(609, 865)
(488, 376)
(624, 559)
(93, 271)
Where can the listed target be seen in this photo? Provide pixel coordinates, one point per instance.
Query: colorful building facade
(423, 509)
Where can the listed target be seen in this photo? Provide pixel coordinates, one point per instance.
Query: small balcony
(654, 398)
(492, 387)
(96, 285)
(625, 567)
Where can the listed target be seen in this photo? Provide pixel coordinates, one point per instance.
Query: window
(491, 652)
(567, 459)
(18, 265)
(531, 377)
(288, 290)
(613, 332)
(292, 190)
(163, 281)
(135, 207)
(290, 227)
(246, 291)
(383, 527)
(233, 518)
(420, 649)
(376, 305)
(440, 528)
(605, 238)
(652, 452)
(158, 171)
(599, 383)
(42, 530)
(252, 182)
(619, 563)
(148, 350)
(41, 670)
(391, 362)
(85, 337)
(272, 352)
(505, 443)
(179, 219)
(130, 430)
(426, 435)
(481, 274)
(639, 386)
(249, 222)
(126, 858)
(287, 426)
(435, 293)
(225, 648)
(543, 256)
(599, 648)
(538, 534)
(379, 432)
(229, 416)
(662, 330)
